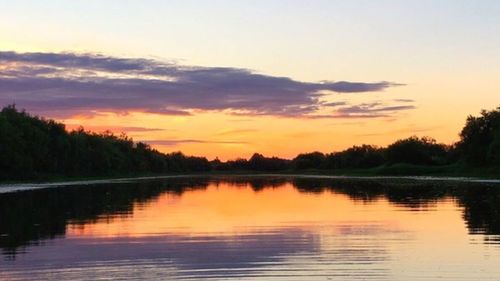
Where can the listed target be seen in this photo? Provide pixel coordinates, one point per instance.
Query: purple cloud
(372, 109)
(364, 110)
(404, 100)
(68, 83)
(335, 104)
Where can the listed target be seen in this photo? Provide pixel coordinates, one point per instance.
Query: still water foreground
(253, 228)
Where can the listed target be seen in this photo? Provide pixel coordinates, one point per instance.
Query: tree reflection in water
(30, 217)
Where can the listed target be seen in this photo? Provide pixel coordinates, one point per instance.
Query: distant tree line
(413, 150)
(479, 146)
(33, 148)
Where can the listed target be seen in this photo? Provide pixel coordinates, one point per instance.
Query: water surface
(253, 228)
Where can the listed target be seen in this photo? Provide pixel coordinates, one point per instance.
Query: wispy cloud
(375, 109)
(404, 100)
(235, 132)
(187, 141)
(115, 129)
(70, 83)
(334, 104)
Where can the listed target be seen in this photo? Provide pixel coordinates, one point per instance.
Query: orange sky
(227, 136)
(443, 57)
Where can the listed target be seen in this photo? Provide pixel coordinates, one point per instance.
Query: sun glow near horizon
(266, 77)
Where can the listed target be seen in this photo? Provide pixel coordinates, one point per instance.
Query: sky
(229, 78)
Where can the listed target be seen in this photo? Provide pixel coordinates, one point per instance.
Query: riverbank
(455, 170)
(370, 175)
(396, 170)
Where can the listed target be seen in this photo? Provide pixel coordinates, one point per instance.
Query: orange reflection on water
(226, 209)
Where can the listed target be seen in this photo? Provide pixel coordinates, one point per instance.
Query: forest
(36, 148)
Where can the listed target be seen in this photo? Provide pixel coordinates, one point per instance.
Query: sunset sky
(229, 78)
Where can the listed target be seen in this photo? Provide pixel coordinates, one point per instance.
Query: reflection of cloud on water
(267, 252)
(194, 227)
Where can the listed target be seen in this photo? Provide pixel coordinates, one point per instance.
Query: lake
(253, 228)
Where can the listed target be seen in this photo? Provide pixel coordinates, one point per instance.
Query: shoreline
(26, 186)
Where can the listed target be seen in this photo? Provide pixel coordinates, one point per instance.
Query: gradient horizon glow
(229, 78)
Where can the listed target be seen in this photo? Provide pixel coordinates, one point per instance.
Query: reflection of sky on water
(283, 252)
(248, 231)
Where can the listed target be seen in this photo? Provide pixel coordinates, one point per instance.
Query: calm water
(252, 228)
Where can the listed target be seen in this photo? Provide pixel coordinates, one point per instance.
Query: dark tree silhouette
(313, 160)
(414, 150)
(480, 138)
(35, 148)
(260, 163)
(364, 156)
